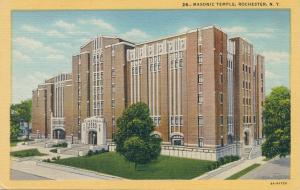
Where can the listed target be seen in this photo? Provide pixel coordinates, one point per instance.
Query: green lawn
(27, 153)
(243, 172)
(164, 167)
(14, 142)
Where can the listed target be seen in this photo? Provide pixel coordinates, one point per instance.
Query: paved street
(18, 175)
(279, 168)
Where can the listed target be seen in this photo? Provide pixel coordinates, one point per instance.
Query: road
(278, 168)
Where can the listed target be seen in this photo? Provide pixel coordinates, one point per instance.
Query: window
(180, 62)
(221, 78)
(201, 142)
(180, 54)
(200, 120)
(113, 51)
(221, 58)
(200, 98)
(176, 120)
(221, 120)
(221, 97)
(113, 103)
(181, 120)
(200, 78)
(200, 58)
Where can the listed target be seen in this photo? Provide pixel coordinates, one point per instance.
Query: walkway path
(223, 174)
(278, 168)
(55, 172)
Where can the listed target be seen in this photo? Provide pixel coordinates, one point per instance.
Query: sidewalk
(232, 170)
(54, 172)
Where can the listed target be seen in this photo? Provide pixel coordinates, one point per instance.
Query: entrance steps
(75, 150)
(246, 153)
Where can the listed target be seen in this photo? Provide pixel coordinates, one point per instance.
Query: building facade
(205, 92)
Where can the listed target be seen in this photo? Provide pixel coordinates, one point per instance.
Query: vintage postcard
(149, 95)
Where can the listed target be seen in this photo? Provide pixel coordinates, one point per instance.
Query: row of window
(247, 101)
(176, 120)
(247, 119)
(155, 59)
(246, 68)
(97, 56)
(156, 120)
(246, 85)
(175, 64)
(155, 67)
(137, 70)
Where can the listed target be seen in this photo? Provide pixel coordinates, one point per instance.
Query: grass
(14, 142)
(243, 172)
(27, 153)
(165, 167)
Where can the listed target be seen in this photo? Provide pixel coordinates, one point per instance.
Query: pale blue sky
(44, 41)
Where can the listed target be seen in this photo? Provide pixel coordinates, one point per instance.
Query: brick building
(205, 92)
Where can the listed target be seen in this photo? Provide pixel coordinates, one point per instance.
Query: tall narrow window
(221, 97)
(200, 78)
(200, 98)
(200, 58)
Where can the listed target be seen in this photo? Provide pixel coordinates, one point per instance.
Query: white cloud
(245, 32)
(28, 43)
(235, 29)
(65, 25)
(183, 29)
(136, 34)
(99, 23)
(33, 45)
(271, 75)
(55, 33)
(20, 57)
(276, 56)
(29, 28)
(57, 58)
(25, 84)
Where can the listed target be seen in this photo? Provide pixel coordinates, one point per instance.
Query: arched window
(177, 140)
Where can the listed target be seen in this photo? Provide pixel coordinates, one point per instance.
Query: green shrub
(47, 160)
(27, 153)
(53, 150)
(91, 153)
(64, 144)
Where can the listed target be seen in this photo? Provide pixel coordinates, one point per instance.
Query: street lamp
(72, 137)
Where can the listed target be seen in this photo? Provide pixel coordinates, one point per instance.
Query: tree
(15, 132)
(19, 113)
(277, 121)
(134, 138)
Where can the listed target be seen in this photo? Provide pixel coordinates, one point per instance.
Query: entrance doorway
(58, 134)
(92, 137)
(246, 139)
